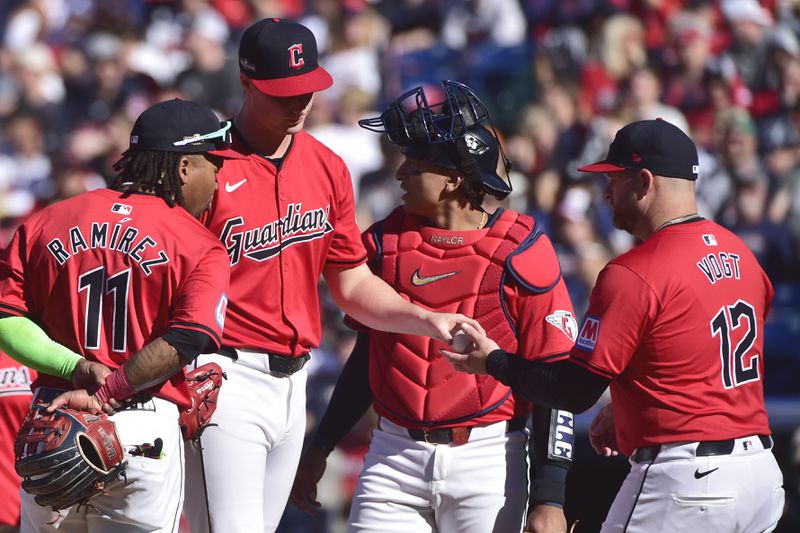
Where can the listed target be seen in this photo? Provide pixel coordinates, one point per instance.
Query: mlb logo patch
(589, 332)
(564, 321)
(122, 209)
(710, 240)
(134, 139)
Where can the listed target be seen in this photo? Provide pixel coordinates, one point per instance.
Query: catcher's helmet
(455, 133)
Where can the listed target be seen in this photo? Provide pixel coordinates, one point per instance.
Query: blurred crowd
(559, 76)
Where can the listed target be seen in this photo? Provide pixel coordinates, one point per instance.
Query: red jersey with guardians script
(15, 402)
(282, 227)
(105, 274)
(678, 323)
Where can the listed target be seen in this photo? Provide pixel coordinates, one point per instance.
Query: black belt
(704, 449)
(457, 436)
(281, 364)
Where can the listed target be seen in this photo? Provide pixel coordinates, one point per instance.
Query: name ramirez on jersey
(97, 236)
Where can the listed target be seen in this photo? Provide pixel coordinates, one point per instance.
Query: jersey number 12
(730, 317)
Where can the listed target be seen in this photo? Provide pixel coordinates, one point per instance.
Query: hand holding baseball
(479, 346)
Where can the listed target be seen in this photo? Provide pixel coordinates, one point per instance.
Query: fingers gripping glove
(204, 383)
(67, 457)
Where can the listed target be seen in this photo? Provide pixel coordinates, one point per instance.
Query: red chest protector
(447, 271)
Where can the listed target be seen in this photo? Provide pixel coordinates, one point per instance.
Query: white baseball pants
(152, 498)
(477, 487)
(240, 480)
(680, 493)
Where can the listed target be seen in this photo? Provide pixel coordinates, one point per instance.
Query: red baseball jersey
(282, 226)
(678, 324)
(15, 402)
(105, 274)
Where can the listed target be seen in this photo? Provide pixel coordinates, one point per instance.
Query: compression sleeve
(351, 398)
(189, 343)
(24, 341)
(548, 467)
(558, 385)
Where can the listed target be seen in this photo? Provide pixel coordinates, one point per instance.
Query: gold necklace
(484, 217)
(675, 221)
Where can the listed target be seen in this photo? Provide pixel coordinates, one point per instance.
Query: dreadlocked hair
(473, 192)
(150, 171)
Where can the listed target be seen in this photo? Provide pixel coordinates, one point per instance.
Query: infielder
(450, 451)
(286, 216)
(129, 268)
(676, 326)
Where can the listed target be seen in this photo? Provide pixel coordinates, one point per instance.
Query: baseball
(461, 342)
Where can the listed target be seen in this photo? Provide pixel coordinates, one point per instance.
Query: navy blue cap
(183, 127)
(660, 147)
(281, 58)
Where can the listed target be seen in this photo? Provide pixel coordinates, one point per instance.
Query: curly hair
(150, 171)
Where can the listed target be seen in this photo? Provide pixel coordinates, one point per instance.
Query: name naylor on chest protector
(717, 266)
(118, 241)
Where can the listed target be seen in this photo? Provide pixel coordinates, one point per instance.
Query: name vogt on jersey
(718, 265)
(127, 241)
(265, 242)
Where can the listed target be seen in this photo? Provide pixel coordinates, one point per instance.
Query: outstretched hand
(89, 375)
(309, 472)
(473, 362)
(602, 432)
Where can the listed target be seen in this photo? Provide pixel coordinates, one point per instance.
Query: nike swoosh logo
(698, 474)
(419, 281)
(231, 188)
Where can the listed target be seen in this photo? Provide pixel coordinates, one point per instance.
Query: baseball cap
(183, 127)
(281, 58)
(656, 145)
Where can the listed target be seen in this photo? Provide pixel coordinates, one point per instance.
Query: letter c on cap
(295, 56)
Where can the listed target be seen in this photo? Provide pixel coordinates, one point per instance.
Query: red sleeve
(201, 301)
(346, 249)
(621, 307)
(546, 325)
(12, 264)
(371, 249)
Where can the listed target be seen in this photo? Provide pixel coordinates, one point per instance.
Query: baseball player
(286, 216)
(450, 451)
(15, 400)
(129, 268)
(676, 326)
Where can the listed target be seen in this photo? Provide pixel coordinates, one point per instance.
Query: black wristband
(326, 447)
(497, 365)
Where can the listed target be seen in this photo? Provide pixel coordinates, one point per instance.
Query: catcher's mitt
(204, 383)
(67, 457)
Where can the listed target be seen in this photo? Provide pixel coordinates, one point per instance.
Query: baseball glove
(204, 383)
(67, 457)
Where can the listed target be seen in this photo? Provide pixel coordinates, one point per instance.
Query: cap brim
(227, 153)
(601, 167)
(311, 82)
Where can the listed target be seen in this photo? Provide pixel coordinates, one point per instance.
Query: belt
(704, 449)
(458, 435)
(280, 364)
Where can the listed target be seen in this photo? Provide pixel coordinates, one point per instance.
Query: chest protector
(446, 271)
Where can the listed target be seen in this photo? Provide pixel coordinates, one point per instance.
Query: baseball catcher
(67, 457)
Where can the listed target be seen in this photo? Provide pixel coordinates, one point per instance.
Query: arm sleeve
(24, 341)
(548, 476)
(346, 250)
(351, 398)
(189, 343)
(557, 385)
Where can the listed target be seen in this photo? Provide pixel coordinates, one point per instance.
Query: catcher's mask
(455, 133)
